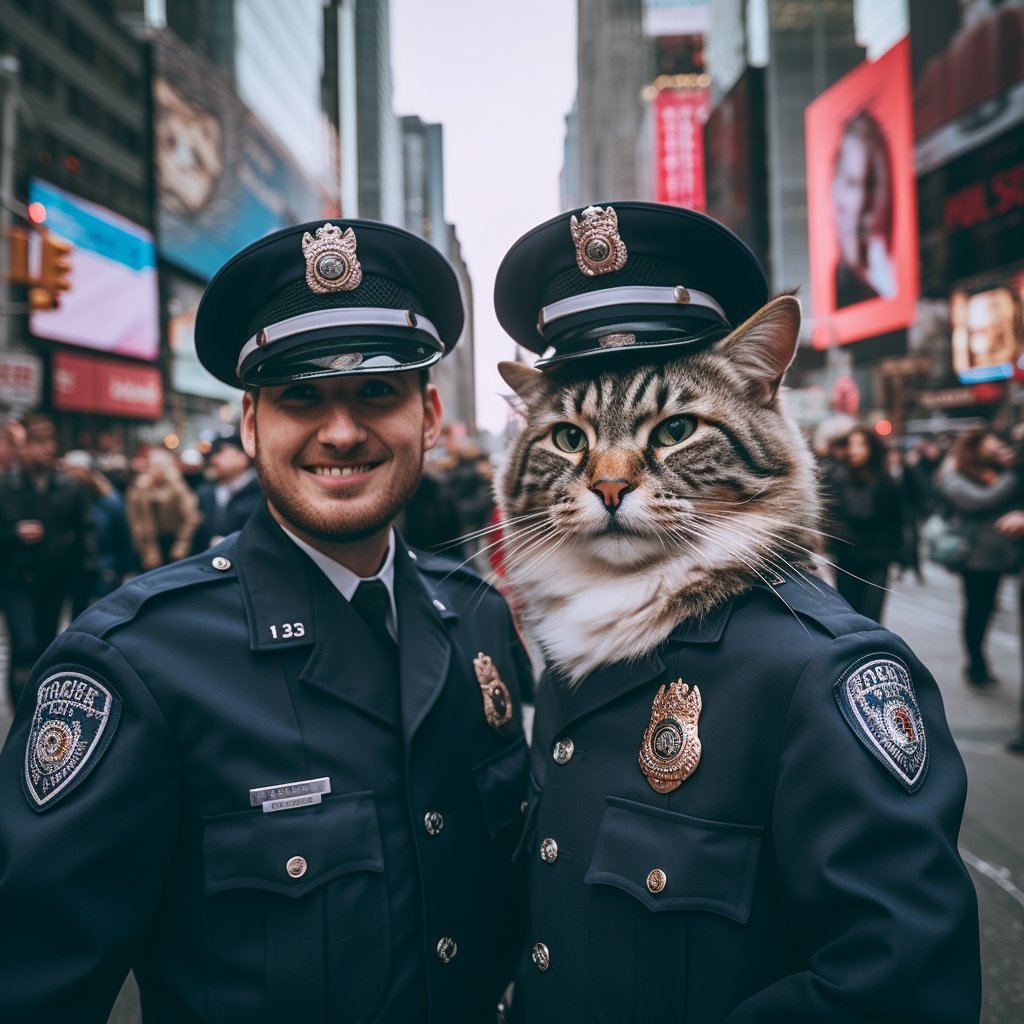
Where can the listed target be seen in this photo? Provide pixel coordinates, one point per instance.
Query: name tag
(287, 795)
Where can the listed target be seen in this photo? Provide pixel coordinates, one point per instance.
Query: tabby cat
(641, 494)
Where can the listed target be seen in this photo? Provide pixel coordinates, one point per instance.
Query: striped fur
(700, 521)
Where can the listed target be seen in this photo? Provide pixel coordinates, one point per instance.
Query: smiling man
(282, 780)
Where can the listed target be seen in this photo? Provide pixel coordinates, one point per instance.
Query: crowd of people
(878, 499)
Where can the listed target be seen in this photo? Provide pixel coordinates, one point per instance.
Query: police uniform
(756, 822)
(223, 784)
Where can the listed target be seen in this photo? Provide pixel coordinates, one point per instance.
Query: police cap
(328, 299)
(626, 276)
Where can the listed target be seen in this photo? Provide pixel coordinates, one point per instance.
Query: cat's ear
(529, 384)
(763, 347)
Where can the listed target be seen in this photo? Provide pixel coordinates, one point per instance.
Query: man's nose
(340, 429)
(611, 491)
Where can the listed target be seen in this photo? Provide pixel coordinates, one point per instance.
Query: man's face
(338, 457)
(39, 449)
(228, 463)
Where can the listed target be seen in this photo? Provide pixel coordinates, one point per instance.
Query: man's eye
(376, 389)
(298, 393)
(568, 438)
(673, 431)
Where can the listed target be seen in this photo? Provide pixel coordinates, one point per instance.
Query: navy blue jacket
(240, 669)
(802, 880)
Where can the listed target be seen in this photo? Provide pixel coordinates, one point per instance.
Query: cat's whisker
(502, 524)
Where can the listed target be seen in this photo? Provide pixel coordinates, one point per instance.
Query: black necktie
(373, 603)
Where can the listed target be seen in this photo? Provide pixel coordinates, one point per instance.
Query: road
(992, 837)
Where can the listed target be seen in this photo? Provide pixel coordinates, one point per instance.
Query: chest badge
(497, 700)
(670, 751)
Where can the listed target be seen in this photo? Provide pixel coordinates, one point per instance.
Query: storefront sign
(86, 384)
(21, 380)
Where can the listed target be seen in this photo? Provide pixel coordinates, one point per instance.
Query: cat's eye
(567, 438)
(673, 431)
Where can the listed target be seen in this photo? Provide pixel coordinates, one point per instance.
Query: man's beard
(342, 527)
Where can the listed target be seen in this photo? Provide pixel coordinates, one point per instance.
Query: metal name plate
(289, 794)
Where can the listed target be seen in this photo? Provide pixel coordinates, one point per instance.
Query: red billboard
(679, 118)
(861, 205)
(88, 384)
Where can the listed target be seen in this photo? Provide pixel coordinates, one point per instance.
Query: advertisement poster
(679, 118)
(861, 205)
(987, 331)
(113, 303)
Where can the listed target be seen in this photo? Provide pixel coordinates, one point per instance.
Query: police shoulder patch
(74, 720)
(877, 699)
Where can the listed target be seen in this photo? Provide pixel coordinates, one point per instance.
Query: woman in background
(162, 512)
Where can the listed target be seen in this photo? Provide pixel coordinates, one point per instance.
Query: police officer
(282, 780)
(754, 820)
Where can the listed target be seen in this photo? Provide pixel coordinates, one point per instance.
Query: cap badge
(670, 751)
(497, 700)
(346, 361)
(616, 340)
(331, 261)
(599, 247)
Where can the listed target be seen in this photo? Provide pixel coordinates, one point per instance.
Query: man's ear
(432, 413)
(529, 384)
(762, 348)
(247, 427)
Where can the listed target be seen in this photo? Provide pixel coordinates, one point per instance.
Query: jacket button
(221, 563)
(549, 851)
(433, 822)
(541, 957)
(523, 806)
(657, 880)
(563, 750)
(447, 947)
(296, 867)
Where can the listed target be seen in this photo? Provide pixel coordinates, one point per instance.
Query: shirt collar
(346, 581)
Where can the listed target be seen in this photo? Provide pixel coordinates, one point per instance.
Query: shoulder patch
(72, 725)
(877, 699)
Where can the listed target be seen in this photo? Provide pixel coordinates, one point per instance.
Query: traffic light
(17, 250)
(54, 272)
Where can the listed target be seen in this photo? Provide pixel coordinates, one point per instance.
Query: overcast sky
(500, 76)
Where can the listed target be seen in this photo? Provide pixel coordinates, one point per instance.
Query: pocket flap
(292, 852)
(501, 781)
(706, 865)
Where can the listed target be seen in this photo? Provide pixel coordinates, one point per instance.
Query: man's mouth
(343, 470)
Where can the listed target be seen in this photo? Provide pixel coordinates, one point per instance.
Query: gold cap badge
(497, 700)
(331, 261)
(670, 751)
(599, 247)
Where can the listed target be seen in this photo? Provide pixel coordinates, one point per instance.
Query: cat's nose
(611, 491)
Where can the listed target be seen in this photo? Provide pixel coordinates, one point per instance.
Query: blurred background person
(47, 546)
(979, 484)
(161, 510)
(862, 211)
(230, 494)
(115, 558)
(865, 519)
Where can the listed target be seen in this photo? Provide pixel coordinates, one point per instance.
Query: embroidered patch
(72, 725)
(877, 699)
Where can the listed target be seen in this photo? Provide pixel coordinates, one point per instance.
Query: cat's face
(690, 457)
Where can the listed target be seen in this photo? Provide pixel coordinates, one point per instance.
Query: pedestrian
(47, 546)
(979, 484)
(161, 511)
(229, 497)
(864, 522)
(745, 798)
(282, 780)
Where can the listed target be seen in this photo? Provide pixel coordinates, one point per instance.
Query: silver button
(440, 607)
(221, 563)
(447, 947)
(548, 850)
(296, 866)
(541, 957)
(523, 806)
(657, 880)
(433, 822)
(563, 750)
(412, 555)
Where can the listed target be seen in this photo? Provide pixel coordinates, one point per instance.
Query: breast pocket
(659, 881)
(317, 874)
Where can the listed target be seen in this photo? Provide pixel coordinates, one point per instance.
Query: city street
(992, 839)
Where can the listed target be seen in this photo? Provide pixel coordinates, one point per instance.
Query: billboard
(987, 338)
(679, 118)
(188, 375)
(113, 304)
(861, 206)
(967, 61)
(222, 179)
(87, 384)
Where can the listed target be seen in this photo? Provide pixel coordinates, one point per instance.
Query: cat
(640, 493)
